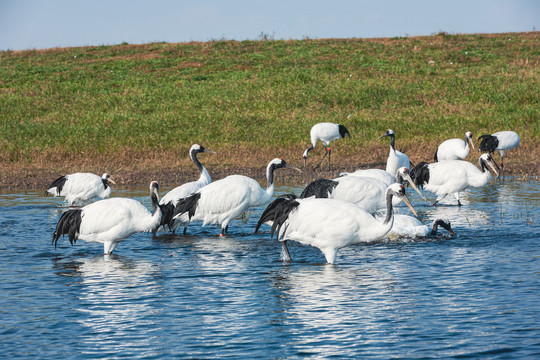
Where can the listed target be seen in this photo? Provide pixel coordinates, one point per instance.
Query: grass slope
(134, 110)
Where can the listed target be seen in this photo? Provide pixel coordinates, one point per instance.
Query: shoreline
(522, 164)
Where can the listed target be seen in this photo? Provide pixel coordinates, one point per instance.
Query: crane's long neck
(389, 219)
(270, 180)
(205, 176)
(393, 143)
(156, 216)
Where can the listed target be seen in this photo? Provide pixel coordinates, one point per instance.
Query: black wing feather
(489, 143)
(187, 204)
(69, 223)
(58, 184)
(319, 188)
(420, 174)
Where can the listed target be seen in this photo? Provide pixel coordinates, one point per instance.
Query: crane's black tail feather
(420, 174)
(69, 223)
(58, 184)
(278, 211)
(489, 143)
(319, 188)
(187, 204)
(167, 211)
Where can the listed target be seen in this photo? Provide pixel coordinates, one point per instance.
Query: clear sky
(38, 24)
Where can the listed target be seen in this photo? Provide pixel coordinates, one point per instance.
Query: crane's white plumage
(500, 141)
(328, 224)
(169, 201)
(228, 198)
(452, 176)
(366, 192)
(378, 174)
(396, 159)
(325, 133)
(109, 221)
(454, 149)
(80, 187)
(410, 227)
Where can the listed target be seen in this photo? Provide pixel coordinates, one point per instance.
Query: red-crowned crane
(78, 188)
(452, 176)
(328, 224)
(109, 221)
(366, 192)
(169, 201)
(454, 149)
(410, 227)
(396, 159)
(226, 199)
(325, 133)
(500, 141)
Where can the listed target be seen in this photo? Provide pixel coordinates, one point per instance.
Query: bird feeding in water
(226, 199)
(454, 149)
(78, 188)
(410, 227)
(500, 141)
(325, 133)
(109, 221)
(396, 159)
(452, 176)
(328, 224)
(169, 201)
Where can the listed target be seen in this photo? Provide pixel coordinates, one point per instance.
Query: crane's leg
(320, 162)
(439, 198)
(185, 230)
(501, 175)
(224, 230)
(456, 195)
(329, 153)
(330, 254)
(285, 256)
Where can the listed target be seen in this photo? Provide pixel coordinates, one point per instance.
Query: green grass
(101, 100)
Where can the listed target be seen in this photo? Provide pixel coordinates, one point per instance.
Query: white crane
(109, 221)
(366, 192)
(80, 187)
(169, 201)
(378, 174)
(501, 141)
(454, 149)
(411, 227)
(396, 159)
(226, 199)
(328, 224)
(325, 133)
(452, 176)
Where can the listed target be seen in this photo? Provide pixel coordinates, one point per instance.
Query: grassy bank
(134, 110)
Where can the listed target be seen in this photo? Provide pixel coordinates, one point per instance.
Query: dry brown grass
(171, 169)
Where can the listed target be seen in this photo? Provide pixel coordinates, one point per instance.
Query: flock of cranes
(329, 214)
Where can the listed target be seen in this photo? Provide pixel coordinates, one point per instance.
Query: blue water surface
(474, 295)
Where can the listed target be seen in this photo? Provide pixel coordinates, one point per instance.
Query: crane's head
(404, 174)
(388, 132)
(196, 148)
(304, 155)
(106, 177)
(487, 160)
(445, 224)
(468, 136)
(399, 191)
(278, 163)
(154, 187)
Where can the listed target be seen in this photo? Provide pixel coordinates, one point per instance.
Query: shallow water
(474, 295)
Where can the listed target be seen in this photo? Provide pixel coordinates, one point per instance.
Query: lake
(473, 295)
